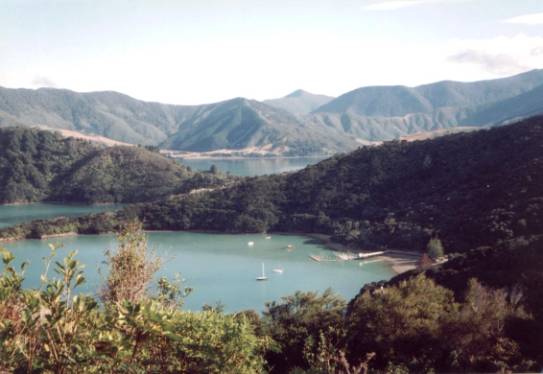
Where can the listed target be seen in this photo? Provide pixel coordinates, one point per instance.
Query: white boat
(263, 277)
(278, 270)
(268, 237)
(250, 244)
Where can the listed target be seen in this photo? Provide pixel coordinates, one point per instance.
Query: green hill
(42, 166)
(469, 189)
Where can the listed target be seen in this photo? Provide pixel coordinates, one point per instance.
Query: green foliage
(419, 325)
(415, 325)
(54, 331)
(131, 268)
(381, 196)
(401, 324)
(30, 160)
(298, 323)
(40, 165)
(385, 196)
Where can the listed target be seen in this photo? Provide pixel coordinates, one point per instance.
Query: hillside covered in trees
(470, 189)
(480, 193)
(42, 166)
(412, 324)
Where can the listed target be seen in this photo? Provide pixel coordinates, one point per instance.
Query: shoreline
(399, 261)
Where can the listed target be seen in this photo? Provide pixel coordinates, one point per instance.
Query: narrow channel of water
(252, 166)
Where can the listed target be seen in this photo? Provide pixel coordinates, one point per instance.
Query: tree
(401, 324)
(476, 333)
(131, 269)
(434, 248)
(297, 324)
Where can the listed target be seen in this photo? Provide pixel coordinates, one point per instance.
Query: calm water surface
(220, 268)
(14, 214)
(253, 166)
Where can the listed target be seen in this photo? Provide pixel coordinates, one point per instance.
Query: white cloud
(500, 64)
(393, 5)
(537, 51)
(41, 81)
(499, 56)
(383, 5)
(527, 19)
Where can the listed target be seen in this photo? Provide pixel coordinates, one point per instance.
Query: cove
(220, 268)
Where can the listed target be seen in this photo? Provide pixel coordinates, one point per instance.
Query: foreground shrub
(52, 330)
(131, 267)
(418, 325)
(298, 323)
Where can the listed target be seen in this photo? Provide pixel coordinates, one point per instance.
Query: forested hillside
(469, 190)
(42, 166)
(480, 193)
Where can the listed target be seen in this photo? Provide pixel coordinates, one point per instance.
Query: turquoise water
(253, 166)
(14, 214)
(220, 268)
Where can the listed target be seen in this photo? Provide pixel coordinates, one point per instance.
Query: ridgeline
(469, 189)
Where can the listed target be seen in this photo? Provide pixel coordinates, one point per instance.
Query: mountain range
(300, 123)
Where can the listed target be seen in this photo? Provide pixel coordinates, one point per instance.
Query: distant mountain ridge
(390, 112)
(300, 123)
(300, 102)
(392, 101)
(232, 124)
(241, 123)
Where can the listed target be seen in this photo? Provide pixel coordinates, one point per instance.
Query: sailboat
(263, 277)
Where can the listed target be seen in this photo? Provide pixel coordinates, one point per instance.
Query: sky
(202, 51)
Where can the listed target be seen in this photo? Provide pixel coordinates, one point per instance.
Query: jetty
(321, 258)
(362, 256)
(348, 256)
